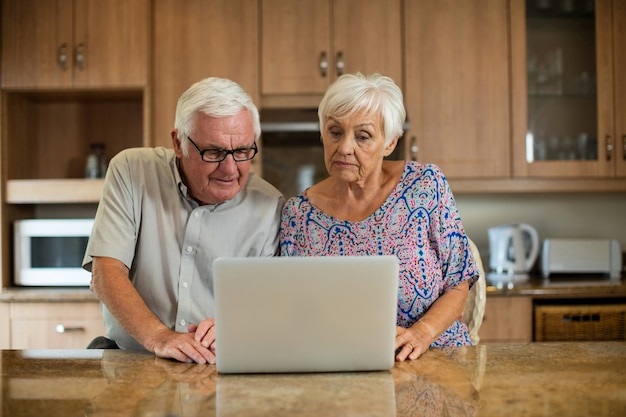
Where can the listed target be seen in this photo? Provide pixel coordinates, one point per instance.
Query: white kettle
(513, 250)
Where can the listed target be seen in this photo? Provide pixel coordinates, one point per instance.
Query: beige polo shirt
(146, 220)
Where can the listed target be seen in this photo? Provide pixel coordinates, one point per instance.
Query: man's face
(216, 182)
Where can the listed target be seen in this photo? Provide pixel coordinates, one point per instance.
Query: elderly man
(166, 214)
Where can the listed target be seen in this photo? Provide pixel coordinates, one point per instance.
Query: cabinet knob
(609, 147)
(323, 64)
(413, 148)
(340, 64)
(62, 56)
(60, 328)
(79, 56)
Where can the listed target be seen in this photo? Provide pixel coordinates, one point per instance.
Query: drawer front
(55, 325)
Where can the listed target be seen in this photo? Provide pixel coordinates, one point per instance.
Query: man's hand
(181, 346)
(204, 333)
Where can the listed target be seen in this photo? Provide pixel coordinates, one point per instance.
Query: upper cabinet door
(307, 44)
(65, 43)
(457, 86)
(295, 46)
(111, 43)
(367, 37)
(37, 43)
(619, 68)
(568, 83)
(195, 39)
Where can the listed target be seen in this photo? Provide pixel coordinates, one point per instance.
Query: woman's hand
(411, 343)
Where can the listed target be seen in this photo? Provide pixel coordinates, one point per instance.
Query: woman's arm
(415, 340)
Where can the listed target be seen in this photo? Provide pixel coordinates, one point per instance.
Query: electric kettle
(513, 251)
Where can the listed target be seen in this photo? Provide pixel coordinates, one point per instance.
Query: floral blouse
(419, 223)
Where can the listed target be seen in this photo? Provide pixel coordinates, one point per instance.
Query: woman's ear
(391, 146)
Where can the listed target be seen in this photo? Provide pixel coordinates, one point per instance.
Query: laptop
(305, 314)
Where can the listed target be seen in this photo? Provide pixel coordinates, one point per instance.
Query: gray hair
(215, 97)
(352, 93)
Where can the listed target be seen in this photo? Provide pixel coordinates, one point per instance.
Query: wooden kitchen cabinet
(307, 44)
(75, 43)
(5, 326)
(569, 88)
(65, 325)
(51, 115)
(456, 67)
(507, 319)
(211, 38)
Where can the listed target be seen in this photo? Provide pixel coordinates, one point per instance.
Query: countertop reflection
(540, 379)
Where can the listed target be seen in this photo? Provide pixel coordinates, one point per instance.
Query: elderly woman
(369, 206)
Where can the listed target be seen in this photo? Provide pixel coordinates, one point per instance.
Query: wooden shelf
(75, 190)
(537, 185)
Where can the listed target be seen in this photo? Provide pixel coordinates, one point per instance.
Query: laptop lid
(305, 314)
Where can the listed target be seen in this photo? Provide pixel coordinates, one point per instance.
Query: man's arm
(111, 284)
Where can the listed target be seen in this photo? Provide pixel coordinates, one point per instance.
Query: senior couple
(166, 214)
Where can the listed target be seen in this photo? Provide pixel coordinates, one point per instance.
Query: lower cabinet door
(508, 319)
(55, 325)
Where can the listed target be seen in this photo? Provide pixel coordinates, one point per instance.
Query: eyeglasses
(218, 155)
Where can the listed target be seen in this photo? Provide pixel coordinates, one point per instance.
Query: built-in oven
(292, 152)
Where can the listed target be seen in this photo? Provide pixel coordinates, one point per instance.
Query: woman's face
(354, 146)
(216, 182)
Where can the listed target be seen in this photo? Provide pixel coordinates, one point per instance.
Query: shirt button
(189, 249)
(185, 285)
(196, 214)
(183, 322)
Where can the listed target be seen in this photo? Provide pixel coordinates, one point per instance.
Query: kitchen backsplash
(554, 216)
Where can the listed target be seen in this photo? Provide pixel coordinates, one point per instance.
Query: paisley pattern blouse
(419, 223)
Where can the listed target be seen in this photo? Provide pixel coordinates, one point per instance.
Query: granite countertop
(540, 379)
(46, 294)
(574, 286)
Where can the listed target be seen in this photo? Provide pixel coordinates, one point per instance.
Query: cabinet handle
(60, 328)
(340, 63)
(414, 148)
(609, 147)
(62, 56)
(624, 147)
(323, 64)
(80, 56)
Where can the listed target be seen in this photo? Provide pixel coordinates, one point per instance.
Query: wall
(565, 215)
(554, 216)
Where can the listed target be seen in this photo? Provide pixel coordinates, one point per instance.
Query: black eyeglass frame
(226, 152)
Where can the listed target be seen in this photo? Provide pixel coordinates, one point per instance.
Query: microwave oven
(49, 252)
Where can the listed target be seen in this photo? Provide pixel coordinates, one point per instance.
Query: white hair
(353, 93)
(215, 97)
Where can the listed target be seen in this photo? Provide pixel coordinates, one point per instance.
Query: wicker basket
(580, 322)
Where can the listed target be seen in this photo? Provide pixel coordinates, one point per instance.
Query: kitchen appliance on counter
(49, 252)
(513, 251)
(582, 256)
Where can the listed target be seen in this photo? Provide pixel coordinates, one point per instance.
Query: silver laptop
(305, 314)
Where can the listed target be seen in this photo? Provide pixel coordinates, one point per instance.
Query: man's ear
(178, 150)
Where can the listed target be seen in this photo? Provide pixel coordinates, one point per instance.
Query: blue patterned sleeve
(455, 255)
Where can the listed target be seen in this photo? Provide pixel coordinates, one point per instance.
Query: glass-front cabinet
(569, 88)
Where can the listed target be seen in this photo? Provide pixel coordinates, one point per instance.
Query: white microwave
(49, 252)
